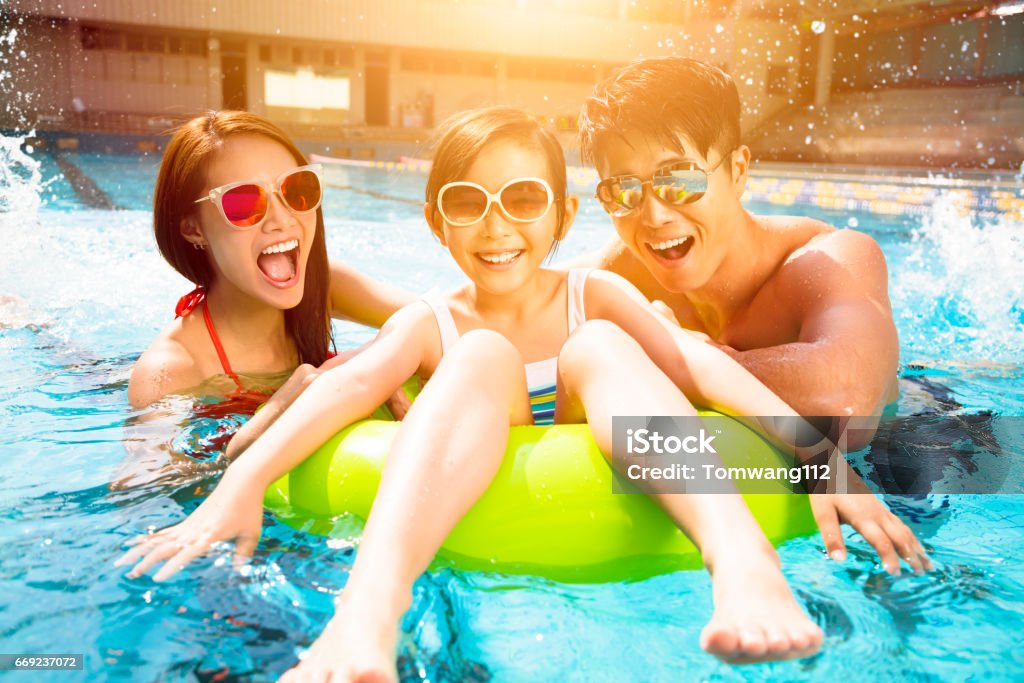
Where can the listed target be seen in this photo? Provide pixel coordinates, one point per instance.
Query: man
(803, 306)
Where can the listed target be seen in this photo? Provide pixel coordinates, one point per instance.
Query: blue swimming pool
(82, 291)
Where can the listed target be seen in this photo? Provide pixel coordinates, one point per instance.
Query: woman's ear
(434, 221)
(572, 205)
(193, 234)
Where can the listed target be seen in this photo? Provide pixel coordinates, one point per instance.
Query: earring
(199, 245)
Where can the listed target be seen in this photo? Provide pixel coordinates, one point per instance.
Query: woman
(237, 212)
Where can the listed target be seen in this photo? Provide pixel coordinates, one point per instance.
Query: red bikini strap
(217, 345)
(189, 301)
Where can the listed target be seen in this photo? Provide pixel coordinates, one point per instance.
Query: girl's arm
(234, 511)
(337, 398)
(271, 410)
(357, 297)
(706, 375)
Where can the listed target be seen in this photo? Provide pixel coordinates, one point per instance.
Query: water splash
(21, 181)
(964, 285)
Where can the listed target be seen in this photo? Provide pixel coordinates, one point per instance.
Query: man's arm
(358, 297)
(846, 357)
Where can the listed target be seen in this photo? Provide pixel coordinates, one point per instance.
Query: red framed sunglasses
(245, 205)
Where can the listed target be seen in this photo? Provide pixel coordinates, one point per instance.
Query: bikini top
(241, 400)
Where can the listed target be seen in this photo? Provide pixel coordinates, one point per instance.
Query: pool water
(83, 291)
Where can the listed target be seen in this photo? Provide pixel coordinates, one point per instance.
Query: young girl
(498, 352)
(237, 212)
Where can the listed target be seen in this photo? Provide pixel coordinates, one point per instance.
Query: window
(304, 89)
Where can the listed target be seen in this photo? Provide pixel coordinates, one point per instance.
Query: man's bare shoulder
(832, 261)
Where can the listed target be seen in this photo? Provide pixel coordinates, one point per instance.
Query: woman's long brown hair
(182, 179)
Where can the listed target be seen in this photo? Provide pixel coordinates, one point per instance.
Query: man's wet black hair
(663, 99)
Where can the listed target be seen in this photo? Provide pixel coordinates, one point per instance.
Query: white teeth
(667, 244)
(281, 247)
(503, 257)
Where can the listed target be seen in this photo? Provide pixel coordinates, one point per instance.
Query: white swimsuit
(541, 376)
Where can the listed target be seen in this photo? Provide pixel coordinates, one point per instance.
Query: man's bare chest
(765, 321)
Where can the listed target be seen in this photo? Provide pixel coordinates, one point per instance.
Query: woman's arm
(268, 413)
(357, 297)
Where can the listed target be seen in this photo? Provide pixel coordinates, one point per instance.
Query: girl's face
(266, 262)
(498, 254)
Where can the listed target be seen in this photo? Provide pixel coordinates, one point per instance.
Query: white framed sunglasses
(677, 184)
(522, 200)
(244, 205)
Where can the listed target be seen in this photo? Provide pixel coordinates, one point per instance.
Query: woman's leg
(445, 455)
(603, 372)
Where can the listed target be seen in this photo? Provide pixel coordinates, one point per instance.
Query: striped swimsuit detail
(541, 376)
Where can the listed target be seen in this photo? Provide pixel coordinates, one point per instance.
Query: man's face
(682, 245)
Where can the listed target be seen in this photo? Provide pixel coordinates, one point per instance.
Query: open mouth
(500, 258)
(279, 263)
(671, 250)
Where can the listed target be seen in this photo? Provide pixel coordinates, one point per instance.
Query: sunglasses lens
(302, 191)
(526, 200)
(620, 195)
(462, 204)
(245, 205)
(680, 185)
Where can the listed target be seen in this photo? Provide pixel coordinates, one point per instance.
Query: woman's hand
(234, 511)
(271, 410)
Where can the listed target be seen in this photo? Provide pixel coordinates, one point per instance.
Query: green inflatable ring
(550, 510)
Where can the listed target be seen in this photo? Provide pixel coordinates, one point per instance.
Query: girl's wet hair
(465, 135)
(182, 180)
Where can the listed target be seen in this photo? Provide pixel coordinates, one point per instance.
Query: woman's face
(266, 262)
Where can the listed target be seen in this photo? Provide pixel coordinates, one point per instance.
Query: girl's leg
(603, 372)
(445, 455)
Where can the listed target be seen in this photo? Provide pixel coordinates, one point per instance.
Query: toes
(753, 642)
(720, 639)
(777, 640)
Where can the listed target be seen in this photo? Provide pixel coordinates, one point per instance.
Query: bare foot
(358, 645)
(756, 618)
